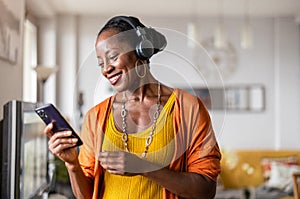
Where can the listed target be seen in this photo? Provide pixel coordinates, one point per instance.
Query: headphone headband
(144, 49)
(129, 21)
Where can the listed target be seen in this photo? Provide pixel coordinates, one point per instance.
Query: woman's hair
(122, 24)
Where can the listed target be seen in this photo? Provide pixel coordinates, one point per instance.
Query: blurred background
(246, 54)
(255, 44)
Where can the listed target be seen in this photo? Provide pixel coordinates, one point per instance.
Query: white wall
(288, 77)
(11, 75)
(67, 63)
(47, 54)
(273, 62)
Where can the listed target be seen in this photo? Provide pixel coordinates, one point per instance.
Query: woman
(146, 141)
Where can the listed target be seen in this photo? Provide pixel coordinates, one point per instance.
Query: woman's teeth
(113, 80)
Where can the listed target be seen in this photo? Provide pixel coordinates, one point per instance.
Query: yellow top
(160, 152)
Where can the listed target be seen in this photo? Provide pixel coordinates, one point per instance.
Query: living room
(259, 83)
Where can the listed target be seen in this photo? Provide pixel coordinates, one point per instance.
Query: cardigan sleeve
(202, 152)
(87, 155)
(92, 133)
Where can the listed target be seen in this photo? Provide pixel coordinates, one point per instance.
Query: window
(29, 62)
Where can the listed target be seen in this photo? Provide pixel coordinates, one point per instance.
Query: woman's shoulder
(183, 95)
(187, 101)
(101, 107)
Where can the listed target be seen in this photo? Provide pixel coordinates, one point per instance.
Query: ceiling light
(220, 32)
(246, 31)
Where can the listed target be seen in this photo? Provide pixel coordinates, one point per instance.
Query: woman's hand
(123, 163)
(59, 144)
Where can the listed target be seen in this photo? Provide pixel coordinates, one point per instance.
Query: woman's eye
(101, 64)
(110, 59)
(113, 57)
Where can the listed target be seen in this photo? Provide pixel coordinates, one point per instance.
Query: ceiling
(48, 8)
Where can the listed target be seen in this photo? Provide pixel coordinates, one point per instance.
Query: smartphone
(49, 114)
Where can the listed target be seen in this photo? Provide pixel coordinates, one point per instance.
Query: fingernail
(74, 140)
(67, 133)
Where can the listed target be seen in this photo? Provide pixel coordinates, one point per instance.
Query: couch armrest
(296, 184)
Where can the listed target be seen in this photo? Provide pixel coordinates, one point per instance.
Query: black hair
(121, 24)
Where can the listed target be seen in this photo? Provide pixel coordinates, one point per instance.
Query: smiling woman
(142, 142)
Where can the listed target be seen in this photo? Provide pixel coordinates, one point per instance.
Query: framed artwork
(212, 98)
(232, 98)
(10, 34)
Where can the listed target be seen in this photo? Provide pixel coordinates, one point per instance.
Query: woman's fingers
(113, 162)
(60, 148)
(60, 141)
(124, 163)
(61, 144)
(121, 163)
(48, 130)
(61, 134)
(112, 154)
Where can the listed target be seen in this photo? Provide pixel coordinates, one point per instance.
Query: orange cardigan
(196, 148)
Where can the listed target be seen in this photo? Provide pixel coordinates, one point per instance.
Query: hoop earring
(136, 70)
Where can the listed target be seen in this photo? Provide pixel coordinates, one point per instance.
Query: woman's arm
(184, 184)
(82, 186)
(63, 147)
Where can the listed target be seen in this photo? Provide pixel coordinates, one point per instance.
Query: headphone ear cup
(144, 49)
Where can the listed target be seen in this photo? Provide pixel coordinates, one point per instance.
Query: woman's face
(116, 59)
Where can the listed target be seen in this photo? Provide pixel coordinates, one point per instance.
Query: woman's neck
(141, 90)
(142, 93)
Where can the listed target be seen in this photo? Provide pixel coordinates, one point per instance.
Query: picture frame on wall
(238, 98)
(10, 34)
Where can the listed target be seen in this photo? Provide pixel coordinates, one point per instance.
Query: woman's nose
(108, 68)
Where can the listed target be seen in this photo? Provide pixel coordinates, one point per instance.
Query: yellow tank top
(160, 152)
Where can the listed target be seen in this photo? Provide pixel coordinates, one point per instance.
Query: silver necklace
(149, 139)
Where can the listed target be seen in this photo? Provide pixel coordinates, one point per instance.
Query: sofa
(257, 173)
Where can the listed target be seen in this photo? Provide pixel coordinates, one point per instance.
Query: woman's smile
(114, 79)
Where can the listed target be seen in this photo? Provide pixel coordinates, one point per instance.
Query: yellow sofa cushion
(243, 168)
